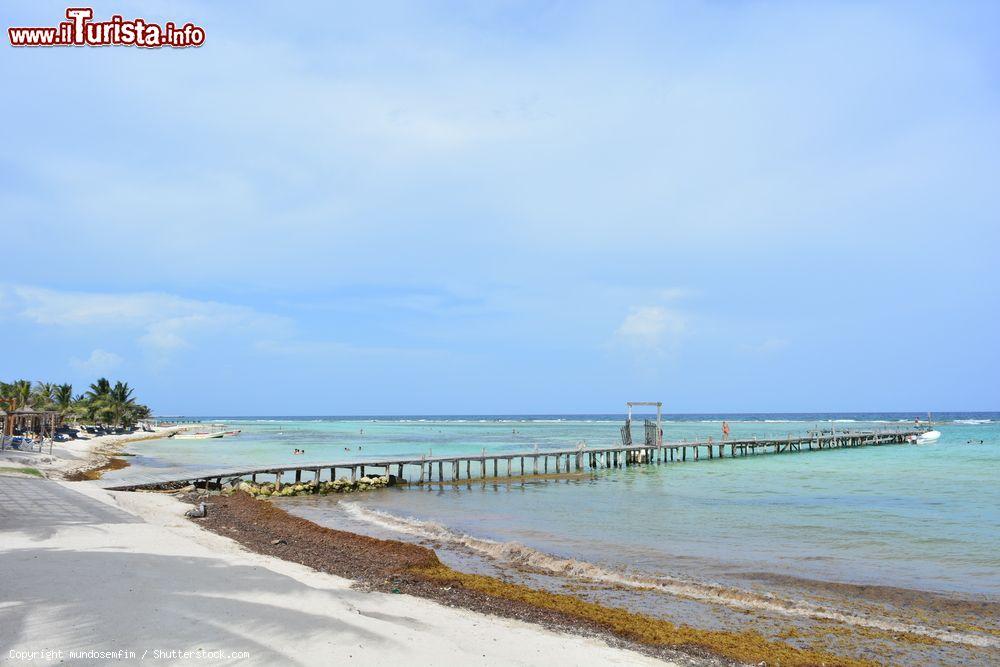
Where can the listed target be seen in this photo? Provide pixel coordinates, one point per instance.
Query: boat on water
(229, 434)
(925, 438)
(199, 436)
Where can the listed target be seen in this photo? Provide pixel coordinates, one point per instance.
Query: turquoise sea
(871, 533)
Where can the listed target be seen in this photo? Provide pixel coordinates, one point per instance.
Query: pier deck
(498, 465)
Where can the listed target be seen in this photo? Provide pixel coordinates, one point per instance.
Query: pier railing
(508, 465)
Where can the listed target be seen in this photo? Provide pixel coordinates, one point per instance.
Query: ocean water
(856, 532)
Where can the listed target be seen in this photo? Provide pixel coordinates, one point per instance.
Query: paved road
(77, 574)
(29, 503)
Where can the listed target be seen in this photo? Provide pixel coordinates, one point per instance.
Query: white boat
(925, 438)
(199, 436)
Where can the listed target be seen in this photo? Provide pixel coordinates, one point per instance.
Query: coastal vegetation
(31, 472)
(102, 402)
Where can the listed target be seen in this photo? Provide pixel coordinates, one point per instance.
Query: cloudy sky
(512, 207)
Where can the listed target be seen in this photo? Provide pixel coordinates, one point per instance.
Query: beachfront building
(28, 428)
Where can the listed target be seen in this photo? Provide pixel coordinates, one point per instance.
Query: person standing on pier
(725, 430)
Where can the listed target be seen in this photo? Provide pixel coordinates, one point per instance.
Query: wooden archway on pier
(627, 431)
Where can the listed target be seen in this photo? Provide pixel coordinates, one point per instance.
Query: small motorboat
(925, 438)
(198, 436)
(229, 434)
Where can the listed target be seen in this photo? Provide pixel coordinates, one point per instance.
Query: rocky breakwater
(342, 485)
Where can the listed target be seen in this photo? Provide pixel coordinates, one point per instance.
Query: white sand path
(86, 569)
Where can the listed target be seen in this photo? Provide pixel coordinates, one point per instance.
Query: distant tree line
(102, 403)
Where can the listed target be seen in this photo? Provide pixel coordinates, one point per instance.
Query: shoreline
(84, 458)
(128, 570)
(585, 609)
(393, 566)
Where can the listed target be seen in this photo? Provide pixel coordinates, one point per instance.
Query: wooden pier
(503, 465)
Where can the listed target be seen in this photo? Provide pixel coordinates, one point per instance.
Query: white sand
(164, 583)
(84, 453)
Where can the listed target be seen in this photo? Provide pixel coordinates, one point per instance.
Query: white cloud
(100, 362)
(161, 322)
(653, 328)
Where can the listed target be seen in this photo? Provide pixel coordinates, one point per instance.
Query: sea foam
(514, 553)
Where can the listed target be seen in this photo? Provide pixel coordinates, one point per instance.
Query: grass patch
(34, 472)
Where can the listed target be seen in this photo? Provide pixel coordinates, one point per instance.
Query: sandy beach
(781, 619)
(128, 572)
(74, 458)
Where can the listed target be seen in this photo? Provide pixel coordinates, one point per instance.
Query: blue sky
(383, 208)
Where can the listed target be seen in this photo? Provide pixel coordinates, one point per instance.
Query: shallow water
(923, 518)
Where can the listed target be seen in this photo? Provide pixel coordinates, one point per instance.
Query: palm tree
(43, 395)
(102, 402)
(20, 391)
(62, 398)
(121, 404)
(99, 389)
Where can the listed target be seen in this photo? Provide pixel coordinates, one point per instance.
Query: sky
(509, 207)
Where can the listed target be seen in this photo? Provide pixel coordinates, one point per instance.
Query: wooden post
(277, 480)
